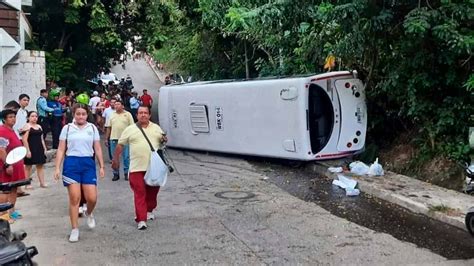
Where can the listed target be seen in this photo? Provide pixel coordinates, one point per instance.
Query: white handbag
(157, 172)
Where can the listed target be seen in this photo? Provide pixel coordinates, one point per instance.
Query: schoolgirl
(79, 143)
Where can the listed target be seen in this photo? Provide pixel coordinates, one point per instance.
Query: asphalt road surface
(214, 210)
(143, 78)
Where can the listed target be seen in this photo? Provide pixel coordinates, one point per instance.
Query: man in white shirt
(22, 114)
(94, 101)
(107, 114)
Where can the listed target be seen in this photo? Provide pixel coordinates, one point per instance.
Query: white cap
(95, 93)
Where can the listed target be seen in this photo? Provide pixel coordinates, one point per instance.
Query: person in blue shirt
(44, 117)
(134, 104)
(57, 116)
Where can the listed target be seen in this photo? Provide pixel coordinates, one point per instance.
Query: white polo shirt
(21, 120)
(93, 103)
(107, 114)
(80, 141)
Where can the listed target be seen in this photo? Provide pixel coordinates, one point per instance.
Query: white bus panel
(301, 118)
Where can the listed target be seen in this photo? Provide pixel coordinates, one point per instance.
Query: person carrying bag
(157, 171)
(148, 171)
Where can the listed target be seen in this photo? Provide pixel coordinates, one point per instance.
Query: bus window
(199, 118)
(320, 116)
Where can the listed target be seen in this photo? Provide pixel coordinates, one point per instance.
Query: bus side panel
(244, 118)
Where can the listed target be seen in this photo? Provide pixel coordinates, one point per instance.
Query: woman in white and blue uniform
(80, 142)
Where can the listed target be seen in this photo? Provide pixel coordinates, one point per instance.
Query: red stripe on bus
(335, 76)
(334, 154)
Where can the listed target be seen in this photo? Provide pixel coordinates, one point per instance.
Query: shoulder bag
(157, 172)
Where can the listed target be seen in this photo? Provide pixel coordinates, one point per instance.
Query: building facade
(23, 71)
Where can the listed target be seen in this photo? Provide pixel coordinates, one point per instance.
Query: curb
(148, 60)
(395, 188)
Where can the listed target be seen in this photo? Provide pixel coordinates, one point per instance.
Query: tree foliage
(415, 57)
(88, 32)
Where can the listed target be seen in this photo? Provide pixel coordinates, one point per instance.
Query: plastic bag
(352, 192)
(157, 171)
(335, 169)
(347, 184)
(359, 168)
(376, 169)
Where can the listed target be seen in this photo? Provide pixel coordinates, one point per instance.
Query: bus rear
(337, 115)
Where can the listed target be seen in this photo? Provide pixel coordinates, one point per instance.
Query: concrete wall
(24, 74)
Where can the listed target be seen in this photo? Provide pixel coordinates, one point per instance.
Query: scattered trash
(352, 192)
(335, 169)
(359, 168)
(339, 184)
(265, 178)
(348, 184)
(376, 169)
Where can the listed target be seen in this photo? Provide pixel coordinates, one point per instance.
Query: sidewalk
(160, 74)
(444, 205)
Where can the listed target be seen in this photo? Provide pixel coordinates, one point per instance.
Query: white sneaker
(81, 211)
(150, 216)
(141, 225)
(90, 221)
(84, 207)
(74, 236)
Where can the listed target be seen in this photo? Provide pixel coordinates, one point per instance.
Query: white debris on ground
(348, 184)
(376, 169)
(335, 169)
(360, 168)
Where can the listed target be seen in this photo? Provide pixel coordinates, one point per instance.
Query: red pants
(145, 196)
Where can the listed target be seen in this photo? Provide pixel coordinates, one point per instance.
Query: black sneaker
(116, 177)
(125, 176)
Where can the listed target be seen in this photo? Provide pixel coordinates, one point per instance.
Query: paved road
(143, 78)
(194, 226)
(197, 223)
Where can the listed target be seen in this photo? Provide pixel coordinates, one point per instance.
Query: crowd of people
(78, 124)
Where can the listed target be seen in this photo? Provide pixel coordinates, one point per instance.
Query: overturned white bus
(300, 118)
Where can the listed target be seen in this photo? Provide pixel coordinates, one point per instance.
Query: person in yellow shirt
(145, 197)
(116, 125)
